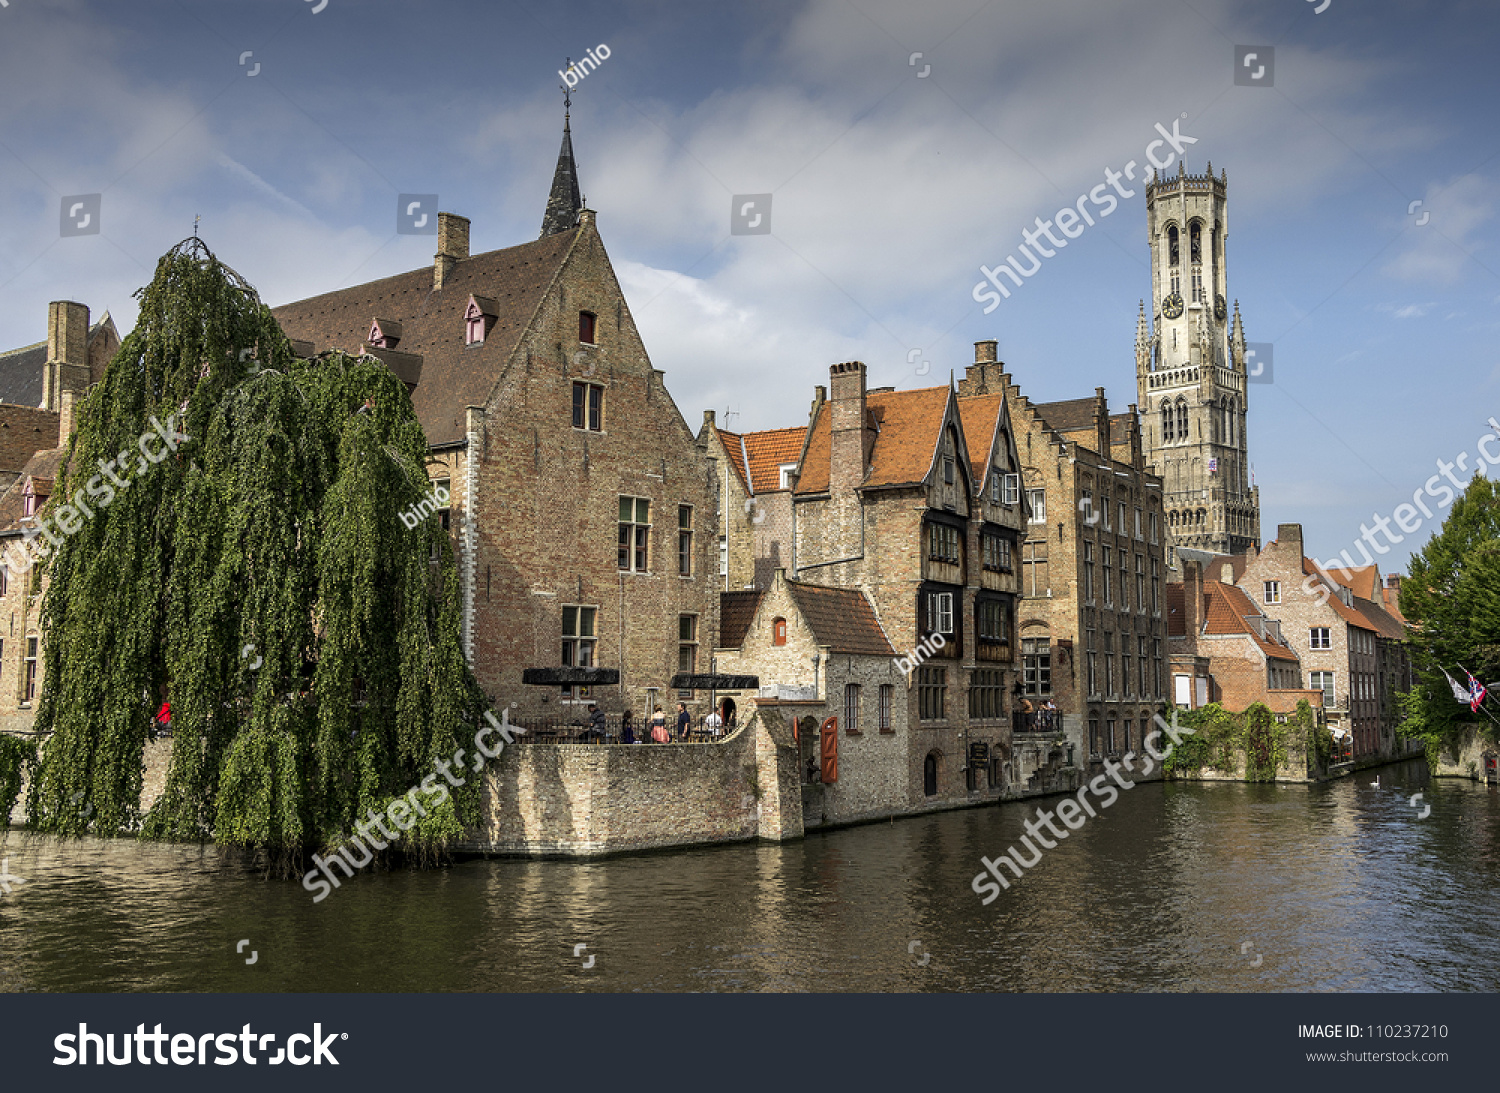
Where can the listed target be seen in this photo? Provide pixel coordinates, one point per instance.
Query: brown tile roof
(905, 445)
(24, 431)
(842, 619)
(1228, 608)
(979, 414)
(1348, 614)
(734, 447)
(736, 613)
(769, 450)
(44, 467)
(1360, 580)
(1381, 620)
(454, 376)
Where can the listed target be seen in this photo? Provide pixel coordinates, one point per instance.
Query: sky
(902, 145)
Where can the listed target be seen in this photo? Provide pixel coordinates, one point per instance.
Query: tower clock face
(1220, 308)
(1171, 307)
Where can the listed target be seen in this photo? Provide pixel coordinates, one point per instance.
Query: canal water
(1196, 887)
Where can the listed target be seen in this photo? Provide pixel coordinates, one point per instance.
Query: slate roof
(1069, 416)
(21, 369)
(842, 619)
(454, 375)
(736, 613)
(905, 443)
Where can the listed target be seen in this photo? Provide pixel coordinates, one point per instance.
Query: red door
(830, 738)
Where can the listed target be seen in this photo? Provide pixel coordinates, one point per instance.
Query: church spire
(564, 201)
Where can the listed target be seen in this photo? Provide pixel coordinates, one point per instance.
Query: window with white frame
(1322, 681)
(1272, 592)
(1010, 489)
(940, 612)
(1319, 638)
(1037, 500)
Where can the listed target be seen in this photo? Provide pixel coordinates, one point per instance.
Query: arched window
(1166, 421)
(1182, 426)
(1195, 242)
(1172, 245)
(1231, 415)
(778, 631)
(930, 774)
(1214, 411)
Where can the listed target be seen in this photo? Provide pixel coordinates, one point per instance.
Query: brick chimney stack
(1290, 535)
(65, 377)
(1192, 597)
(986, 373)
(847, 426)
(1101, 422)
(453, 246)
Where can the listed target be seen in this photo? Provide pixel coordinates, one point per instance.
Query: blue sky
(889, 188)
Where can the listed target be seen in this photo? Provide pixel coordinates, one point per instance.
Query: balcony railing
(1036, 721)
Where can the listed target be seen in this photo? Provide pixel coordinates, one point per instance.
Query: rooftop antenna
(728, 413)
(195, 225)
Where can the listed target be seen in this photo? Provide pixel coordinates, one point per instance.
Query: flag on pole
(1477, 691)
(1459, 694)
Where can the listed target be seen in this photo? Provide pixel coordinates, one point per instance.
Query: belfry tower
(1190, 369)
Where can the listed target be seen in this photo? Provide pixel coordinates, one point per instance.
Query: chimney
(65, 377)
(708, 419)
(1290, 535)
(846, 405)
(453, 246)
(820, 396)
(1192, 598)
(1226, 573)
(984, 372)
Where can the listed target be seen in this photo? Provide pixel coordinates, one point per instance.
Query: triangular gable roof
(1348, 614)
(734, 448)
(454, 375)
(908, 427)
(841, 619)
(976, 412)
(1226, 614)
(1360, 580)
(736, 613)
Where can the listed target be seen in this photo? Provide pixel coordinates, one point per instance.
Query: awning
(553, 677)
(685, 682)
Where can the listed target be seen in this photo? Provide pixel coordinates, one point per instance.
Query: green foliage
(1221, 737)
(16, 754)
(276, 526)
(1452, 601)
(1316, 743)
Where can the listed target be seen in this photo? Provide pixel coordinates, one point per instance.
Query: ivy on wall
(1221, 740)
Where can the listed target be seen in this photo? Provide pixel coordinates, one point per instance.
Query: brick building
(1350, 647)
(825, 663)
(755, 472)
(584, 509)
(1216, 634)
(40, 385)
(1092, 626)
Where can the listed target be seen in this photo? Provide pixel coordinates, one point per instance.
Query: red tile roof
(1360, 580)
(769, 451)
(454, 375)
(979, 414)
(906, 443)
(735, 448)
(842, 619)
(1348, 614)
(1228, 612)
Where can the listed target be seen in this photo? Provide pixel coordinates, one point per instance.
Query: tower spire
(564, 201)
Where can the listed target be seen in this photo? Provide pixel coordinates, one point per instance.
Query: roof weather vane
(567, 91)
(196, 218)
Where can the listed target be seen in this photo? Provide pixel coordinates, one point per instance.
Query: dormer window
(34, 495)
(784, 475)
(384, 334)
(587, 321)
(479, 318)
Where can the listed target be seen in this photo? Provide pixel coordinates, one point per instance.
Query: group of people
(657, 730)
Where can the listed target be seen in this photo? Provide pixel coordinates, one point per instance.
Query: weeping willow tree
(259, 578)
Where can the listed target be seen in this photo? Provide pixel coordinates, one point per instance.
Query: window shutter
(830, 747)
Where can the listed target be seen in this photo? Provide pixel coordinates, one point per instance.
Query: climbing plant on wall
(258, 578)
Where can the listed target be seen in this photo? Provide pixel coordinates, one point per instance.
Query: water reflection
(1336, 888)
